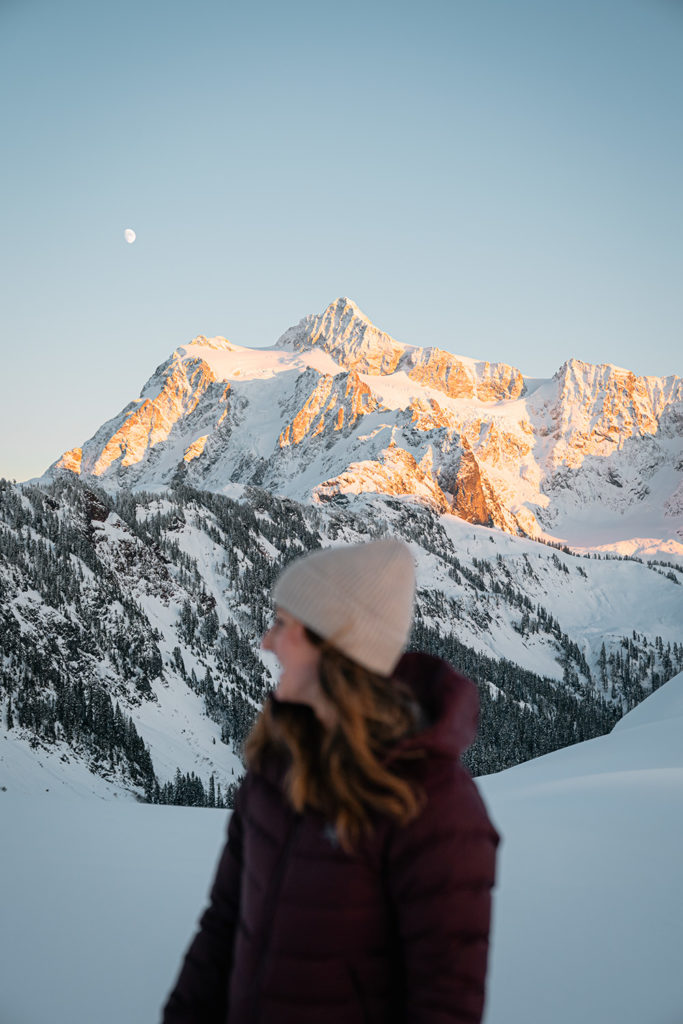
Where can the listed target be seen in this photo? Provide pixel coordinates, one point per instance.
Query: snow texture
(590, 458)
(100, 897)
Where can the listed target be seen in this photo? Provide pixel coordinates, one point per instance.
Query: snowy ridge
(591, 457)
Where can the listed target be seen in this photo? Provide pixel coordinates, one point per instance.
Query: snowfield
(100, 897)
(588, 911)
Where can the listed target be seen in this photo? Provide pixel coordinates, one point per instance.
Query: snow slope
(100, 897)
(588, 911)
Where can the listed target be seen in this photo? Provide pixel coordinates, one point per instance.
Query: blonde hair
(348, 770)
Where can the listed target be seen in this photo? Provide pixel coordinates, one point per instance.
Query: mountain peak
(346, 305)
(289, 417)
(348, 335)
(341, 314)
(219, 343)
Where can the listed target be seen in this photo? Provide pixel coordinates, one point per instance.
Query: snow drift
(100, 897)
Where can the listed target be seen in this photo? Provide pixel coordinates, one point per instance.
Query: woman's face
(298, 657)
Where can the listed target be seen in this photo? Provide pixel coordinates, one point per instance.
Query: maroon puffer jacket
(299, 932)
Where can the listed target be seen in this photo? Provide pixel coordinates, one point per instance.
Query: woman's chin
(282, 691)
(289, 694)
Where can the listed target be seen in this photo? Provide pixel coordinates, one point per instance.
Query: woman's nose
(265, 641)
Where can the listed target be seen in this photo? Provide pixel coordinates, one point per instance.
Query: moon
(129, 235)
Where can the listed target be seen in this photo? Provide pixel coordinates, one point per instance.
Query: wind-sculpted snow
(591, 457)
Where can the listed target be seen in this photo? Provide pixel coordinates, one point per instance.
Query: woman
(355, 883)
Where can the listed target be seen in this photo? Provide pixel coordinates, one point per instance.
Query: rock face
(394, 472)
(489, 382)
(592, 456)
(348, 336)
(470, 500)
(333, 403)
(599, 407)
(355, 343)
(177, 389)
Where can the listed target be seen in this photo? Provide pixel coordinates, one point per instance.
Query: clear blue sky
(503, 178)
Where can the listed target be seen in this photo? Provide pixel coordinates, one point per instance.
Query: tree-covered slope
(131, 627)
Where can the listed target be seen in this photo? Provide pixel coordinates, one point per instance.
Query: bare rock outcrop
(396, 472)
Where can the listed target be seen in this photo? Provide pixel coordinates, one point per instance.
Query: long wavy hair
(349, 771)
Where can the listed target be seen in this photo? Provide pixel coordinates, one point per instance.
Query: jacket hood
(449, 701)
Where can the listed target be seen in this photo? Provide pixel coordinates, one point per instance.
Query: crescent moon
(129, 235)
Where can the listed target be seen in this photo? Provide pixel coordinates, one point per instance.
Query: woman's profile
(355, 884)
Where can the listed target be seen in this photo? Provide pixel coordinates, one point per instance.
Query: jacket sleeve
(201, 993)
(441, 868)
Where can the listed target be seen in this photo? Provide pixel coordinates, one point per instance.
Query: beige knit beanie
(359, 598)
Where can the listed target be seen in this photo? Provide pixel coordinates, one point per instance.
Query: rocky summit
(591, 458)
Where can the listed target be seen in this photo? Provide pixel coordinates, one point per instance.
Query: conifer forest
(108, 601)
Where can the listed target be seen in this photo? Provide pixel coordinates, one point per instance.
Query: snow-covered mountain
(591, 458)
(135, 576)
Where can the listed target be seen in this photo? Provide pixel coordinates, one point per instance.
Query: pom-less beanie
(359, 598)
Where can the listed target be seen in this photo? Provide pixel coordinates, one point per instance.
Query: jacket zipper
(275, 885)
(360, 994)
